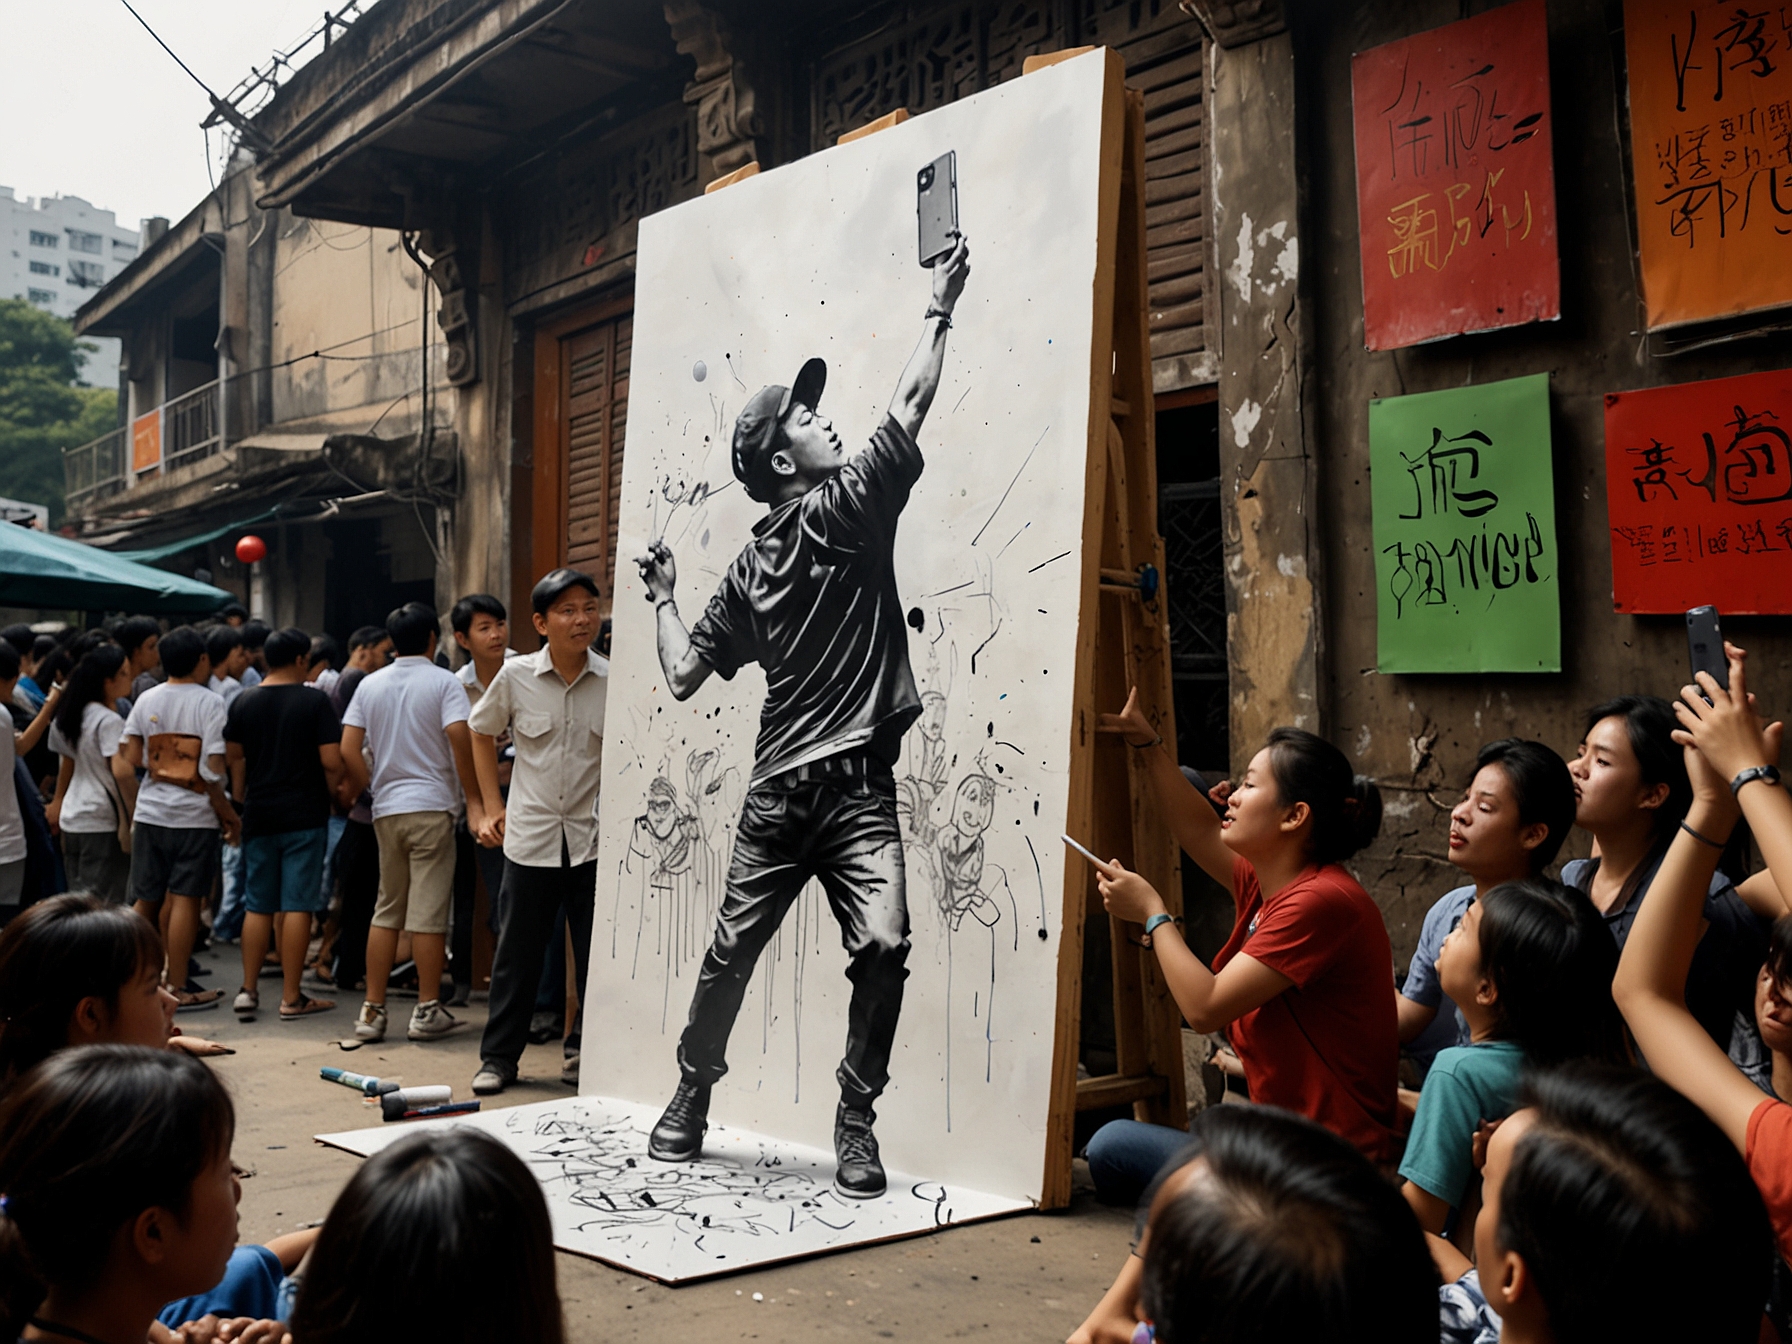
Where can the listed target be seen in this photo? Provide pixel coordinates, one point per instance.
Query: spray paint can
(362, 1083)
(389, 1111)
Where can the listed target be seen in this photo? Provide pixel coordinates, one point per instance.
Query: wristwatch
(1770, 773)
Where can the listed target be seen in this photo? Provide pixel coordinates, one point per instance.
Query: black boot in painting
(860, 1174)
(678, 1137)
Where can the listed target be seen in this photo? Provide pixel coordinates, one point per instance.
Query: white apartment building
(56, 252)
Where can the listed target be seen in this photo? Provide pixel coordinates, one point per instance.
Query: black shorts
(178, 859)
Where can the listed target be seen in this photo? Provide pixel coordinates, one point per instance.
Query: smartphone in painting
(936, 206)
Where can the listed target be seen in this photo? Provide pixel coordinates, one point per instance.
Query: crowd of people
(1570, 1119)
(1594, 1138)
(233, 783)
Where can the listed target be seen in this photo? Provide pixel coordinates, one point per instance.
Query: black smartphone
(936, 206)
(1705, 645)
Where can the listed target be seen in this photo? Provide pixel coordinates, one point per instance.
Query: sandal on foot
(305, 1007)
(192, 1001)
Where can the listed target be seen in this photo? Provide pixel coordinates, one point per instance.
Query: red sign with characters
(1456, 196)
(1699, 480)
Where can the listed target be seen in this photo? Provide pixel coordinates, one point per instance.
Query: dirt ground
(1030, 1277)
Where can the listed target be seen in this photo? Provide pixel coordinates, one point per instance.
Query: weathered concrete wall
(352, 293)
(1274, 602)
(1418, 734)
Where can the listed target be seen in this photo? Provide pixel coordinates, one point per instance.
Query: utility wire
(244, 126)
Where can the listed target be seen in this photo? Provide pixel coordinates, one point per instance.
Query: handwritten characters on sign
(1464, 526)
(1455, 186)
(1711, 147)
(1699, 486)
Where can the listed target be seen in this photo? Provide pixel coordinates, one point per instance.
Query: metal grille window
(45, 268)
(85, 242)
(88, 274)
(1189, 518)
(44, 239)
(41, 295)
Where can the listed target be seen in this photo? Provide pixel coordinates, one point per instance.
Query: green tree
(41, 410)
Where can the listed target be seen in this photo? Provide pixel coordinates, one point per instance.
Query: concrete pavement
(1031, 1277)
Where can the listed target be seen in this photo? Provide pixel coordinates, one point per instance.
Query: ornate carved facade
(728, 122)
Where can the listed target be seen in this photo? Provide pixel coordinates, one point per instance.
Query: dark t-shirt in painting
(280, 729)
(812, 599)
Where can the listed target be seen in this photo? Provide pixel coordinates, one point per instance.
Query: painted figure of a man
(812, 599)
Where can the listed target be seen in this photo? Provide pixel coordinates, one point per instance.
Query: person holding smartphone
(812, 599)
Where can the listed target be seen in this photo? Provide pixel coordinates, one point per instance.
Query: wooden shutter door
(581, 399)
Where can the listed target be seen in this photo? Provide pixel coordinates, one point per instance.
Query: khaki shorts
(416, 871)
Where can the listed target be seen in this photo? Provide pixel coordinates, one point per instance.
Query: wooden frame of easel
(1123, 640)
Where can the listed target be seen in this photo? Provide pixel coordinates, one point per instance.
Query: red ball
(251, 548)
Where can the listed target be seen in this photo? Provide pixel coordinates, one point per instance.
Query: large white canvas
(749, 1201)
(734, 291)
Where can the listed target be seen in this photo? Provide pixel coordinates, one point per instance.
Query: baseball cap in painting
(756, 427)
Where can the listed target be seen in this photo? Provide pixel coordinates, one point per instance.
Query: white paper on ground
(749, 1201)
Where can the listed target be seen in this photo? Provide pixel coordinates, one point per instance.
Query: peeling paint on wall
(1239, 272)
(1244, 420)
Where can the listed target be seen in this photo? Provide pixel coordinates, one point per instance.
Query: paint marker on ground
(391, 1112)
(366, 1086)
(409, 1098)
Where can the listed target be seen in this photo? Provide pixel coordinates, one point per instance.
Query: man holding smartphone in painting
(812, 599)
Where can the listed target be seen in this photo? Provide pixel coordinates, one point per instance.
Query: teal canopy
(39, 569)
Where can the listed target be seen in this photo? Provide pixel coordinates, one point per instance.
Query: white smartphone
(1099, 863)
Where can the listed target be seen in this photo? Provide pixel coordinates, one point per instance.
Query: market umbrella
(39, 569)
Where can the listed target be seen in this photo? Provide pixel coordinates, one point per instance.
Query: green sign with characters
(1465, 530)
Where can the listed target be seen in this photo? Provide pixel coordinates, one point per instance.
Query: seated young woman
(1614, 1211)
(1632, 794)
(119, 1193)
(1301, 986)
(76, 971)
(1509, 825)
(443, 1237)
(1269, 1228)
(1733, 763)
(1530, 969)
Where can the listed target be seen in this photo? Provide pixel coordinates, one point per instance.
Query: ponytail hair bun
(1346, 806)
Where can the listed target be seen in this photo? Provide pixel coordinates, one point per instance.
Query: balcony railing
(98, 469)
(190, 427)
(176, 434)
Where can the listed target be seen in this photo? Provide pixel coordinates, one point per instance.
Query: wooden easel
(1123, 640)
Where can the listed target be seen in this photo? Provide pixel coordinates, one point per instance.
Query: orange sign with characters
(1456, 198)
(1698, 479)
(1711, 155)
(146, 440)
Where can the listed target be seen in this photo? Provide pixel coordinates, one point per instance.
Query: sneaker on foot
(491, 1079)
(569, 1071)
(248, 1001)
(678, 1137)
(860, 1175)
(431, 1020)
(370, 1022)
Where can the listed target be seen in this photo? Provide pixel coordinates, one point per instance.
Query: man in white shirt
(552, 703)
(176, 734)
(412, 716)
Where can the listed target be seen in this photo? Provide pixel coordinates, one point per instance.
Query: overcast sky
(91, 106)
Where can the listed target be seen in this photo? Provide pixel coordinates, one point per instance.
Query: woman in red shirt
(1301, 986)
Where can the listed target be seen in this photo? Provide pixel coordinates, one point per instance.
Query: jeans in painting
(842, 832)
